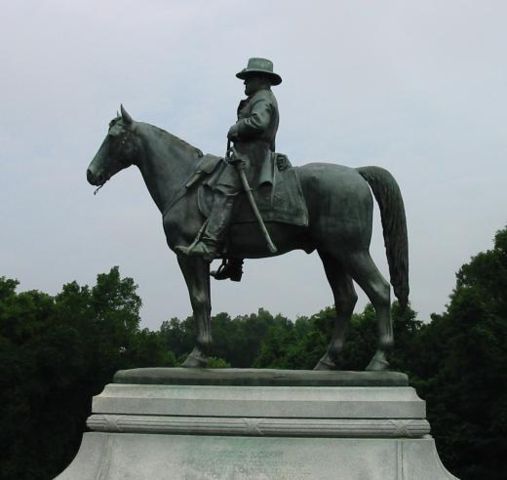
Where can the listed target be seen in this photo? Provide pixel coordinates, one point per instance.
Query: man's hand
(233, 134)
(282, 162)
(236, 158)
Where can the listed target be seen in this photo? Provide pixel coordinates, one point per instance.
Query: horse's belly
(247, 240)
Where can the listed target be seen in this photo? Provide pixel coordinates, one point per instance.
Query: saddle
(281, 202)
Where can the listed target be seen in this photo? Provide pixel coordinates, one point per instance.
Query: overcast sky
(417, 87)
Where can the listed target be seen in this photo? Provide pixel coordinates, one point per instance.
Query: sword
(248, 190)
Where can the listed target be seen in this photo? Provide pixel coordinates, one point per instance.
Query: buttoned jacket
(257, 124)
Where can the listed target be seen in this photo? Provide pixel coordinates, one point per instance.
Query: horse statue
(339, 204)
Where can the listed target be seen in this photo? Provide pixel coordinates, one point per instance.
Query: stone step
(261, 401)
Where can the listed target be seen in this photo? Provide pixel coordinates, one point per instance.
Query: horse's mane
(170, 139)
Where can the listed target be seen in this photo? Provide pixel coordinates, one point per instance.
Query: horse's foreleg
(345, 299)
(365, 273)
(196, 273)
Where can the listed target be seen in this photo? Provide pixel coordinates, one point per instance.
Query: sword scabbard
(251, 200)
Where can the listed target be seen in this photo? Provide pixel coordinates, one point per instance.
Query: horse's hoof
(325, 364)
(378, 363)
(195, 361)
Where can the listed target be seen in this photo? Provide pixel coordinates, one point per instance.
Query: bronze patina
(338, 202)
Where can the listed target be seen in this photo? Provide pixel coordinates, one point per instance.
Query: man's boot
(231, 268)
(212, 239)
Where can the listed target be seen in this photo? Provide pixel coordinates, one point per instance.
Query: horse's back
(337, 182)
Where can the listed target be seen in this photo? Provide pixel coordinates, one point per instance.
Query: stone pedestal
(257, 425)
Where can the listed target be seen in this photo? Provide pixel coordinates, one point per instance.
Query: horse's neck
(166, 164)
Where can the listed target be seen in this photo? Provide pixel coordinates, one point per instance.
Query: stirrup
(225, 271)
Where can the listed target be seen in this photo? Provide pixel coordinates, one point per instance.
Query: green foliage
(215, 362)
(237, 341)
(55, 354)
(300, 344)
(459, 365)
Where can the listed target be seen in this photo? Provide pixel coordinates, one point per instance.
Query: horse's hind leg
(345, 299)
(366, 274)
(196, 273)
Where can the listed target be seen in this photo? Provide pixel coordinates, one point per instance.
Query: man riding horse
(338, 200)
(254, 142)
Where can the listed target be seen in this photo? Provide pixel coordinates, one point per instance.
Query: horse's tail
(394, 225)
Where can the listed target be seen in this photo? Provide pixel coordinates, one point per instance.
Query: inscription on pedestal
(242, 465)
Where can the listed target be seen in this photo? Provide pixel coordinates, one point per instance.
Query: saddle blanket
(282, 202)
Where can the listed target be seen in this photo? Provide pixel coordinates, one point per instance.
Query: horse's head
(119, 150)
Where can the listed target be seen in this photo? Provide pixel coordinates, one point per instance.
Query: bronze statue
(319, 206)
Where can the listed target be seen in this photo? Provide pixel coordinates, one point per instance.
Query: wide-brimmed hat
(260, 66)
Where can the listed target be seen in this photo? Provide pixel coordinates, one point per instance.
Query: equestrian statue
(252, 203)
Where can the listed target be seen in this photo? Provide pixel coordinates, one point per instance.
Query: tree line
(56, 352)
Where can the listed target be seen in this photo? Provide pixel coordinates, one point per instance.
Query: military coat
(256, 128)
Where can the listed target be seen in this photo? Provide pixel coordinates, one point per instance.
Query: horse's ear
(125, 115)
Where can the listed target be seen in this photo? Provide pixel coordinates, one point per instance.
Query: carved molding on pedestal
(285, 427)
